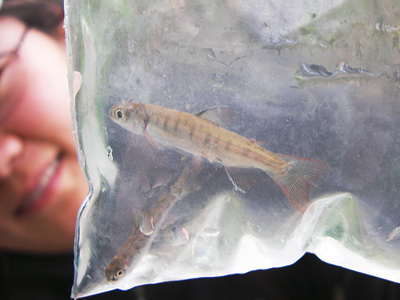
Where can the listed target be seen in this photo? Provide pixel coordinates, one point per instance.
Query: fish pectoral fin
(147, 224)
(242, 178)
(223, 116)
(150, 140)
(209, 155)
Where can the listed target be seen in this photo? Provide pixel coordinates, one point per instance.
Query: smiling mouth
(43, 184)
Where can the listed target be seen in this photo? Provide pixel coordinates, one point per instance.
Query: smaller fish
(203, 135)
(142, 235)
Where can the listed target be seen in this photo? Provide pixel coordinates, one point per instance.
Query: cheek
(40, 112)
(46, 115)
(41, 121)
(37, 87)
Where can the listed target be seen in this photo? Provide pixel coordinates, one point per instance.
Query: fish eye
(120, 273)
(119, 114)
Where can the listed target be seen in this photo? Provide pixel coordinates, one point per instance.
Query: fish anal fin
(241, 178)
(297, 179)
(223, 116)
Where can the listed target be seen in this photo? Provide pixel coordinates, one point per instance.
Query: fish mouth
(35, 197)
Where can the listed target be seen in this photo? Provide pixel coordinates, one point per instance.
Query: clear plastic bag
(315, 79)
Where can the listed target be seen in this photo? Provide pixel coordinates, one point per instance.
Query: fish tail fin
(296, 181)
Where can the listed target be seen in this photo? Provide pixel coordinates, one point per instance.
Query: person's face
(41, 182)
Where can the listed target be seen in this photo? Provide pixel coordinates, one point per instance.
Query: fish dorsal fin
(223, 116)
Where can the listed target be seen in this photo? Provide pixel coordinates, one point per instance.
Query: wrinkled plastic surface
(316, 79)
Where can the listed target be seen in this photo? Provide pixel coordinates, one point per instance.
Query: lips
(40, 194)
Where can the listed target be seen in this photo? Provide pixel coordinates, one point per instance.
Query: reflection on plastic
(320, 82)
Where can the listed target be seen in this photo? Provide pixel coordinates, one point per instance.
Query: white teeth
(44, 181)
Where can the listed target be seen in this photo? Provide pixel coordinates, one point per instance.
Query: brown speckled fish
(202, 135)
(142, 235)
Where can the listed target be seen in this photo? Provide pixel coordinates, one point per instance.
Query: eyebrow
(12, 54)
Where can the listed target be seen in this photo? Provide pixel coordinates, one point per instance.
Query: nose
(11, 147)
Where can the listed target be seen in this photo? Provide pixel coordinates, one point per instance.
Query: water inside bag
(315, 79)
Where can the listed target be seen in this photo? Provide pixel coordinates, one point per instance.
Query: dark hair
(44, 15)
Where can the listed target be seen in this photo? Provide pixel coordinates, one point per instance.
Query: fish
(203, 135)
(142, 235)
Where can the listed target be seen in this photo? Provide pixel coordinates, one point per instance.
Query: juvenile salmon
(204, 135)
(140, 240)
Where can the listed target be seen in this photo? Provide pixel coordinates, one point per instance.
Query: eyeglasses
(7, 57)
